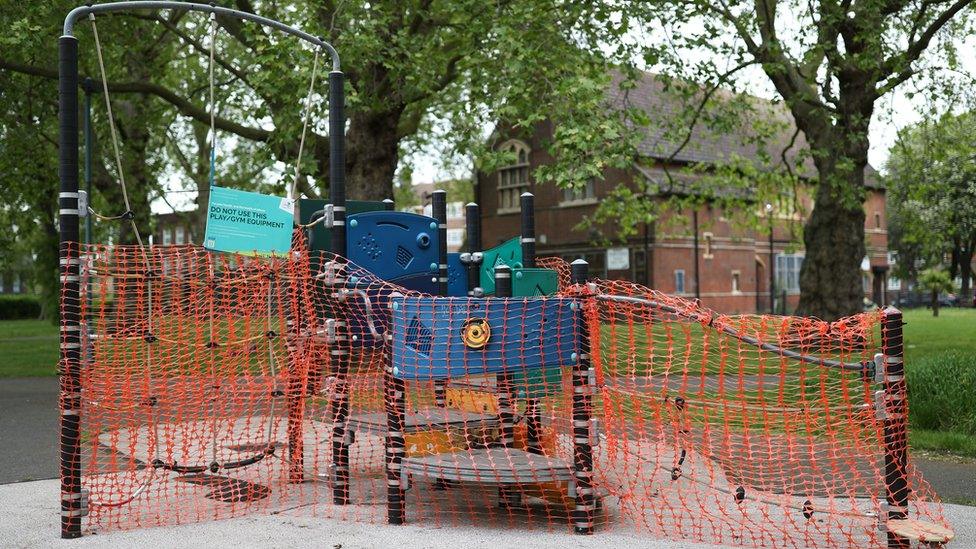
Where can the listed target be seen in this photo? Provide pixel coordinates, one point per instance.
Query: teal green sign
(250, 223)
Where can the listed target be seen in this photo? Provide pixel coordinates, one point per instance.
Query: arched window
(513, 179)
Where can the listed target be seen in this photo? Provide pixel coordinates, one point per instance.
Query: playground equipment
(370, 375)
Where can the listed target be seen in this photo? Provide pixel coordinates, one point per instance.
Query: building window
(679, 281)
(736, 287)
(640, 267)
(894, 283)
(584, 194)
(513, 180)
(788, 272)
(167, 236)
(180, 234)
(707, 237)
(455, 237)
(877, 220)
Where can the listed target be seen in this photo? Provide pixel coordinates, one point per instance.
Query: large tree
(932, 198)
(830, 61)
(419, 71)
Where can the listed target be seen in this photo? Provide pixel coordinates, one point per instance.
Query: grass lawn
(29, 348)
(953, 329)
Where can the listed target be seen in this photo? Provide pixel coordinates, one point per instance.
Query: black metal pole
(533, 413)
(340, 349)
(694, 221)
(772, 268)
(896, 421)
(438, 206)
(69, 374)
(394, 399)
(472, 225)
(507, 495)
(582, 412)
(527, 203)
(388, 204)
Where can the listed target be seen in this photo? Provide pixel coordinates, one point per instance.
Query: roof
(709, 146)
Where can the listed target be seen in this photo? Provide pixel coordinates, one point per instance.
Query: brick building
(704, 256)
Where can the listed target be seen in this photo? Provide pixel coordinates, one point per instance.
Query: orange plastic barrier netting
(216, 385)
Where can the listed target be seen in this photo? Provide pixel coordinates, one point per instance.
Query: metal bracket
(879, 368)
(329, 214)
(883, 517)
(82, 204)
(880, 413)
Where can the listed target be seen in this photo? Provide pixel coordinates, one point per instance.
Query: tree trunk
(372, 155)
(965, 274)
(830, 278)
(935, 303)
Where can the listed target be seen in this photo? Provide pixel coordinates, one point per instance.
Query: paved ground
(28, 518)
(29, 423)
(28, 429)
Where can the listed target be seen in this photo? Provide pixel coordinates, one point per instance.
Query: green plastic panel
(538, 382)
(321, 235)
(534, 282)
(509, 253)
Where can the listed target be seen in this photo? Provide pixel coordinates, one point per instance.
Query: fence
(218, 386)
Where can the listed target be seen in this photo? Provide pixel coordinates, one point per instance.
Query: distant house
(173, 228)
(708, 257)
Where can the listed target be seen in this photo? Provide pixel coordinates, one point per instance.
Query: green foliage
(19, 306)
(932, 195)
(936, 281)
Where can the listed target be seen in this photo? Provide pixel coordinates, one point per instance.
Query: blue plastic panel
(399, 247)
(457, 276)
(526, 334)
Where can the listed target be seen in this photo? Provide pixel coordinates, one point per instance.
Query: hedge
(18, 306)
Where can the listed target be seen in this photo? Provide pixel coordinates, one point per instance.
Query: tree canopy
(932, 198)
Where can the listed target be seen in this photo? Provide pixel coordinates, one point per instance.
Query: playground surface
(28, 518)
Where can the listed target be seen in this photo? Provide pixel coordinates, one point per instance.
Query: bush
(942, 392)
(19, 306)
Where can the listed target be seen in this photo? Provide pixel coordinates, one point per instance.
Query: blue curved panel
(457, 276)
(399, 247)
(526, 334)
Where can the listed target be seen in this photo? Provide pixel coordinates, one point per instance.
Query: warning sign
(246, 222)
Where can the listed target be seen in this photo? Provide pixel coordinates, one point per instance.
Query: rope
(114, 133)
(301, 143)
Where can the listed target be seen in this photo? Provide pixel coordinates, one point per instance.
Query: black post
(340, 351)
(527, 203)
(69, 374)
(394, 398)
(388, 204)
(694, 222)
(507, 495)
(896, 421)
(533, 413)
(472, 225)
(438, 206)
(582, 412)
(772, 263)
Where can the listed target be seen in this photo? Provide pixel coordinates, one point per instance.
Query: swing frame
(73, 504)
